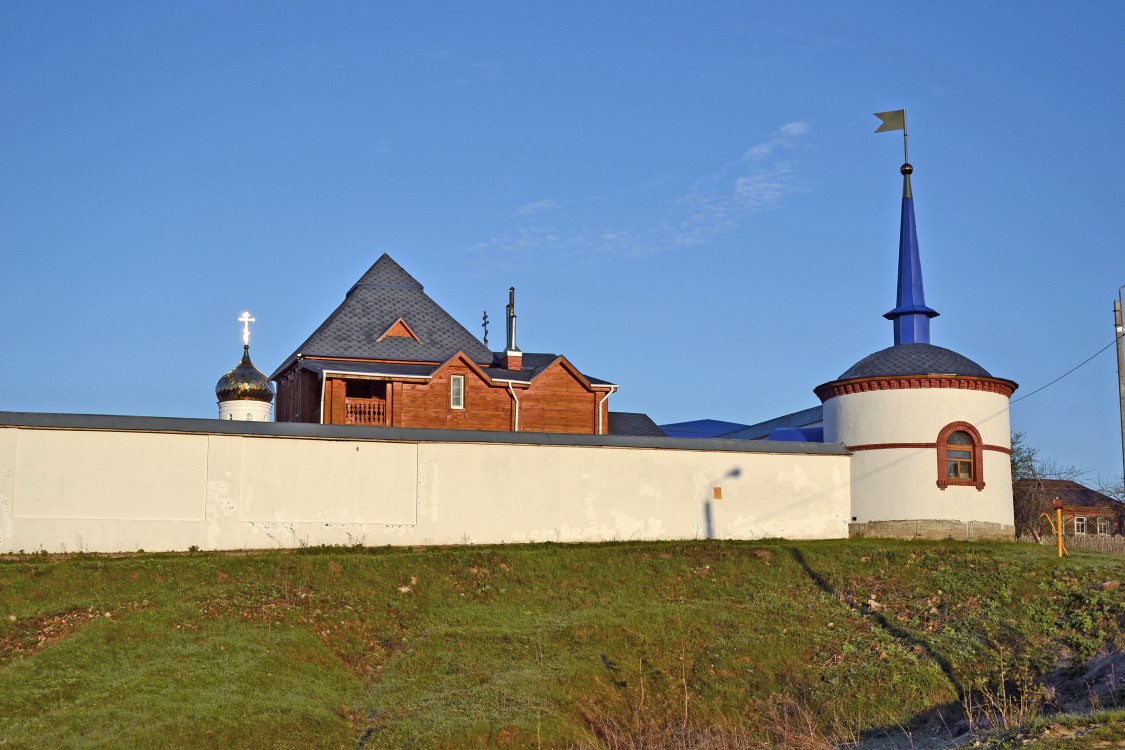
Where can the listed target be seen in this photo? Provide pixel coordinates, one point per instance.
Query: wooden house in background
(391, 356)
(1085, 511)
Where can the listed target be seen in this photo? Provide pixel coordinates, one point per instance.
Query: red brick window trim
(960, 456)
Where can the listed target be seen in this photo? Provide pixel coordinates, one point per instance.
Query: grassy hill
(686, 645)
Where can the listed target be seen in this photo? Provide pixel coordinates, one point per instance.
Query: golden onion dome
(244, 383)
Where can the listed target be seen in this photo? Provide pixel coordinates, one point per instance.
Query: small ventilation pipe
(513, 357)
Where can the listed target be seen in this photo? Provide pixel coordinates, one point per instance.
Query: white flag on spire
(893, 120)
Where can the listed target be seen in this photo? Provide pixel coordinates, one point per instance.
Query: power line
(1060, 377)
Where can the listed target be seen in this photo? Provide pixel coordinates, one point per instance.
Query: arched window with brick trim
(959, 456)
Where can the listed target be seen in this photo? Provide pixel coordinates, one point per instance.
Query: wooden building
(391, 356)
(1085, 511)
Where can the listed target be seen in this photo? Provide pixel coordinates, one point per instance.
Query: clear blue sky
(689, 197)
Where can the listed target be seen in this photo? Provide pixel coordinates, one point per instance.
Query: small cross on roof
(246, 320)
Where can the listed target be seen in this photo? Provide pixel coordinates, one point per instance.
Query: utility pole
(1119, 330)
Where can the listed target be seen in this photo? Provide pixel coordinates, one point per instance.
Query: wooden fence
(1114, 543)
(1096, 542)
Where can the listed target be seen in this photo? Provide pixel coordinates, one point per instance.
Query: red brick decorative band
(885, 446)
(972, 442)
(863, 385)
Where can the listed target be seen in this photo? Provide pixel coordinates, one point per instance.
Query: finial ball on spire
(906, 169)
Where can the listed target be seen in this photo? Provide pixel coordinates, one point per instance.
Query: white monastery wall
(896, 483)
(113, 488)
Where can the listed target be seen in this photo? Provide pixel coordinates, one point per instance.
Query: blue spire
(911, 317)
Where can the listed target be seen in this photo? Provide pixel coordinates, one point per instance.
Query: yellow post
(1057, 527)
(1058, 516)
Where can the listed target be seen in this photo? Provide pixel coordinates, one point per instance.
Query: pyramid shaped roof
(383, 295)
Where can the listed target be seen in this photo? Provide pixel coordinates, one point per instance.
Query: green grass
(526, 646)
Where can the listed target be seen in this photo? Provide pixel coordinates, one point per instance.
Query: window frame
(457, 392)
(1084, 525)
(1101, 522)
(977, 451)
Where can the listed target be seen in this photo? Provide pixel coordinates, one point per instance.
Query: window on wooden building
(1103, 525)
(457, 392)
(1080, 524)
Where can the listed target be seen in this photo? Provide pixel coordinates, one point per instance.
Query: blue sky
(688, 197)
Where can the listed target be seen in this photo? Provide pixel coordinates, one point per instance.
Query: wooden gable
(559, 399)
(399, 329)
(486, 405)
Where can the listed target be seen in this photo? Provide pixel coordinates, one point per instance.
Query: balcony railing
(365, 411)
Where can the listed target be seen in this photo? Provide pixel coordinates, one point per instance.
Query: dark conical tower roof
(385, 294)
(244, 383)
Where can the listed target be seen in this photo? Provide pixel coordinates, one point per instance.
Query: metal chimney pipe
(512, 320)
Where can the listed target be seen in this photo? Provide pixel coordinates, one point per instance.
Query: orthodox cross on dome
(246, 320)
(911, 317)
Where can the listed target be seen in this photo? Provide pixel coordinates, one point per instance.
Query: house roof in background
(395, 370)
(700, 428)
(369, 369)
(761, 431)
(633, 423)
(1069, 491)
(382, 295)
(534, 363)
(387, 298)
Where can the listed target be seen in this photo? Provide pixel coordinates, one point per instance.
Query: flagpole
(905, 144)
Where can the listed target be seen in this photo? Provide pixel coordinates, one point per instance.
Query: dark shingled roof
(1070, 492)
(914, 359)
(381, 296)
(373, 305)
(533, 363)
(373, 369)
(633, 423)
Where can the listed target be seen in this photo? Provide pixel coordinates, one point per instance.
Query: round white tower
(931, 440)
(245, 393)
(928, 427)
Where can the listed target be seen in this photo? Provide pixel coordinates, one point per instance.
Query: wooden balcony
(365, 411)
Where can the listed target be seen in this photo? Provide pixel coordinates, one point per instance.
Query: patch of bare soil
(33, 634)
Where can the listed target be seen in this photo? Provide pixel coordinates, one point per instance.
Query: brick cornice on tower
(905, 382)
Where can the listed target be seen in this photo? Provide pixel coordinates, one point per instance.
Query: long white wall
(71, 488)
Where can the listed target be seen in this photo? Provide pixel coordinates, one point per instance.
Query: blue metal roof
(761, 431)
(700, 428)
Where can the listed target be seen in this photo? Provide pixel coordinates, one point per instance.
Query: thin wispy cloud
(536, 207)
(786, 137)
(710, 206)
